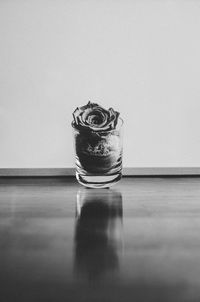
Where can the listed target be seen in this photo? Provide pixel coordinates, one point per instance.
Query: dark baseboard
(127, 171)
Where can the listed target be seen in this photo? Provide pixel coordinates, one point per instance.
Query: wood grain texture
(137, 241)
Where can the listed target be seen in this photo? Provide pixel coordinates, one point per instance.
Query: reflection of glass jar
(98, 156)
(98, 233)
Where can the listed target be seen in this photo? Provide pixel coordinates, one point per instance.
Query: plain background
(140, 57)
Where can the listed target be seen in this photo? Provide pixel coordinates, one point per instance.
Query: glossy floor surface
(137, 241)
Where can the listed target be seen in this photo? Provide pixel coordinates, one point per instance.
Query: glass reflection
(98, 232)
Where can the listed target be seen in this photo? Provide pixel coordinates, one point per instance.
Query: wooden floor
(137, 241)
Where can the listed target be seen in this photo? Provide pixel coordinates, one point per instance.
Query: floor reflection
(98, 232)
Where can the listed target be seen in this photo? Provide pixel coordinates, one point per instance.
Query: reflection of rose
(95, 118)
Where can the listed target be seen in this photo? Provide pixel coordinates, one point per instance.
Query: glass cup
(98, 156)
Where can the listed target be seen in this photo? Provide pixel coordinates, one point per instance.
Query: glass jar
(98, 156)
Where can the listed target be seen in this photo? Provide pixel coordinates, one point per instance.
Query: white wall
(141, 57)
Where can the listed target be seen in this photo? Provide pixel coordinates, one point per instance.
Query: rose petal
(97, 112)
(76, 113)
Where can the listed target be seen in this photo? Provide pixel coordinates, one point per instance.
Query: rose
(93, 117)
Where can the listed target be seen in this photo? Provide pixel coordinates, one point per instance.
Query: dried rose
(93, 117)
